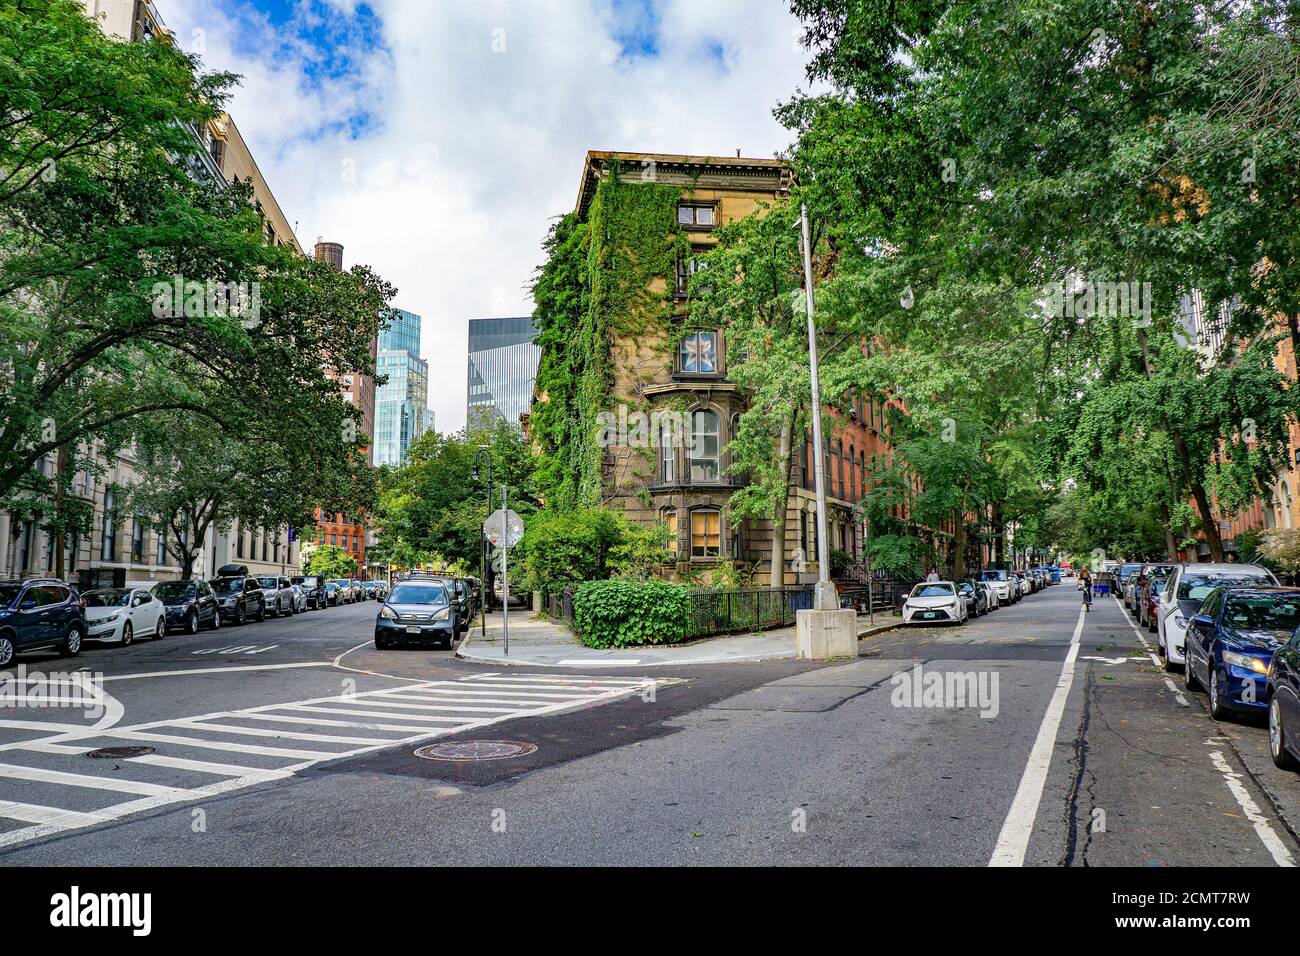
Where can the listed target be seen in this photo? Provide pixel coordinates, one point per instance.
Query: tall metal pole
(824, 598)
(871, 581)
(505, 565)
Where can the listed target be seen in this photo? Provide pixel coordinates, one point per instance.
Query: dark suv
(313, 589)
(40, 614)
(240, 598)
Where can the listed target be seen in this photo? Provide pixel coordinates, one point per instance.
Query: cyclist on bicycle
(1085, 581)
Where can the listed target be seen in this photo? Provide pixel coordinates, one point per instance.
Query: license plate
(412, 629)
(930, 615)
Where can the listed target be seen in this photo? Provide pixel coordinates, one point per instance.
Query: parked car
(1126, 578)
(1188, 587)
(1230, 645)
(119, 614)
(1003, 583)
(40, 614)
(313, 590)
(188, 605)
(990, 595)
(372, 589)
(1282, 693)
(240, 598)
(278, 591)
(347, 593)
(299, 599)
(333, 594)
(459, 592)
(973, 594)
(1133, 596)
(416, 611)
(1023, 579)
(932, 602)
(1147, 611)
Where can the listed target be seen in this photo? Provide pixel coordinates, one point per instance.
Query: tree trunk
(60, 534)
(784, 454)
(1208, 521)
(1171, 546)
(998, 531)
(959, 550)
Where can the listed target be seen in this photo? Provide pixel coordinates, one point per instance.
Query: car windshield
(1158, 585)
(932, 590)
(418, 594)
(269, 582)
(8, 592)
(993, 576)
(331, 587)
(174, 589)
(1195, 587)
(227, 585)
(1271, 613)
(1129, 569)
(108, 597)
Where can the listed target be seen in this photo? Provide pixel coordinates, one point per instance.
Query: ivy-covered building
(634, 408)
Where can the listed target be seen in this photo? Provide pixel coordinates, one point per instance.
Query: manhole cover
(475, 750)
(119, 753)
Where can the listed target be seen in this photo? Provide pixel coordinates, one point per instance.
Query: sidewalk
(542, 643)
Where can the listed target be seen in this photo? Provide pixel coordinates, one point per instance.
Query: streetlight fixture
(825, 597)
(481, 452)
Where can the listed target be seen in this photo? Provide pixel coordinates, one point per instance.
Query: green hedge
(626, 613)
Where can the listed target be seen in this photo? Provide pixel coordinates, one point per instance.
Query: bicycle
(1087, 597)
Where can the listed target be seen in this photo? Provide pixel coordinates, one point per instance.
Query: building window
(137, 541)
(686, 267)
(239, 544)
(73, 546)
(667, 451)
(705, 445)
(108, 543)
(669, 517)
(706, 533)
(689, 214)
(699, 353)
(264, 543)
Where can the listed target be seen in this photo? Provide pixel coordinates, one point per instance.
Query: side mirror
(1203, 620)
(27, 604)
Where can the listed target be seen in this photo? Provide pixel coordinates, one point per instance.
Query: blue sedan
(1231, 641)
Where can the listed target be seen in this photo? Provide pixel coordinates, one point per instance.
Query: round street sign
(503, 528)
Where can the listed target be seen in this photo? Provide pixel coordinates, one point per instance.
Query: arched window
(705, 445)
(706, 533)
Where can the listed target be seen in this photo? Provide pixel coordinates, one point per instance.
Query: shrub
(621, 613)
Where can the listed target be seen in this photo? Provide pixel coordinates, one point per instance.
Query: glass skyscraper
(401, 403)
(502, 369)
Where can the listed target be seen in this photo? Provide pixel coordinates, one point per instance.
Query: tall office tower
(401, 403)
(502, 369)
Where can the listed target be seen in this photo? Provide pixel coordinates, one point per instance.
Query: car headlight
(1245, 661)
(1179, 620)
(387, 613)
(443, 614)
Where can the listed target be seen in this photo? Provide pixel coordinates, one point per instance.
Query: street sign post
(504, 529)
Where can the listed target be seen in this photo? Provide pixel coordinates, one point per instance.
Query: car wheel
(241, 616)
(6, 650)
(128, 634)
(1277, 738)
(260, 616)
(192, 623)
(380, 643)
(160, 630)
(1189, 673)
(1217, 710)
(72, 641)
(216, 620)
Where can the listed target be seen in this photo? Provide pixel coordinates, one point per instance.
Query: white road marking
(460, 707)
(1267, 835)
(1178, 694)
(1013, 840)
(89, 781)
(215, 670)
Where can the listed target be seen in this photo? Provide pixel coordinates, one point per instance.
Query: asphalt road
(1051, 739)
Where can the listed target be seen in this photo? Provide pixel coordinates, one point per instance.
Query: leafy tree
(329, 561)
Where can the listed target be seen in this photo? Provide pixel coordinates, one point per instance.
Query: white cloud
(479, 118)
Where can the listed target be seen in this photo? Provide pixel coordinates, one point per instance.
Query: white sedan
(122, 614)
(932, 602)
(1189, 585)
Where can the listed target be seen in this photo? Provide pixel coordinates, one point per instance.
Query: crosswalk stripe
(517, 704)
(31, 813)
(287, 734)
(205, 766)
(221, 745)
(493, 692)
(87, 781)
(388, 702)
(387, 715)
(41, 747)
(321, 721)
(560, 680)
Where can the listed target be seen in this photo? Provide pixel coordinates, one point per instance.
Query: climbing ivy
(597, 286)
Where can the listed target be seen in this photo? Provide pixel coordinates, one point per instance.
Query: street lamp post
(483, 450)
(825, 598)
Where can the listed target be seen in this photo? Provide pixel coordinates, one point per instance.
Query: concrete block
(821, 635)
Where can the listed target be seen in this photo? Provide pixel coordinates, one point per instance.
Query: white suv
(1189, 585)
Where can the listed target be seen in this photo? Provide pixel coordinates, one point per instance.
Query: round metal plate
(119, 753)
(475, 750)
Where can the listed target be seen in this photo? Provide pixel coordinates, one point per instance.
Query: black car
(188, 605)
(240, 598)
(40, 614)
(313, 589)
(416, 612)
(1282, 692)
(977, 601)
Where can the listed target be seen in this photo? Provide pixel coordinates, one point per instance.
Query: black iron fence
(743, 609)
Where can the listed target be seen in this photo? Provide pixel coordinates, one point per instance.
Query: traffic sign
(503, 528)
